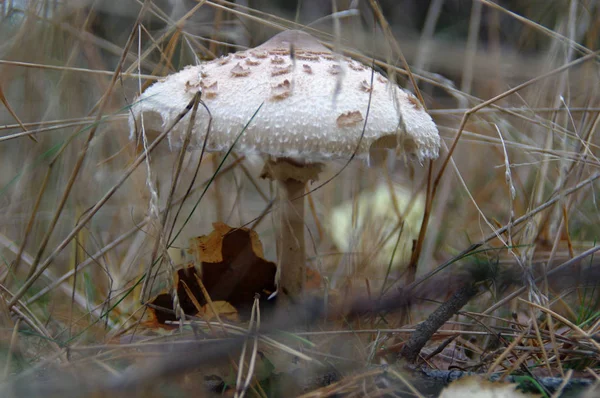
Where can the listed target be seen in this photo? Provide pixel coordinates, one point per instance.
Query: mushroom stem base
(291, 247)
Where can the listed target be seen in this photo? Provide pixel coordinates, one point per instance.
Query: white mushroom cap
(314, 104)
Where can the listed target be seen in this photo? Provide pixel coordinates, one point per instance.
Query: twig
(441, 315)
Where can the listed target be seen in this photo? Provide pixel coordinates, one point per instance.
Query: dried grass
(86, 213)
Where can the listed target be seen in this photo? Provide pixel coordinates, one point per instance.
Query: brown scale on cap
(240, 55)
(278, 71)
(349, 119)
(281, 90)
(355, 66)
(190, 86)
(225, 60)
(240, 71)
(304, 56)
(193, 83)
(277, 60)
(307, 69)
(252, 62)
(334, 69)
(366, 87)
(259, 54)
(279, 51)
(382, 79)
(209, 90)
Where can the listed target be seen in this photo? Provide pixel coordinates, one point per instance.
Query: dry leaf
(157, 318)
(189, 294)
(233, 271)
(225, 311)
(188, 290)
(233, 266)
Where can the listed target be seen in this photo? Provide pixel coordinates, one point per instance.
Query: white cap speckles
(314, 104)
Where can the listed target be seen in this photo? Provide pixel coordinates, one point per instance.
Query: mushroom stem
(292, 252)
(291, 177)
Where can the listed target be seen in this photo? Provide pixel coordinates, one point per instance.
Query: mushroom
(313, 108)
(379, 225)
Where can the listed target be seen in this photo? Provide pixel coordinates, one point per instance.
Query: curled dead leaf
(233, 270)
(233, 265)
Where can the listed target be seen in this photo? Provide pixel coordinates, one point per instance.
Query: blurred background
(65, 143)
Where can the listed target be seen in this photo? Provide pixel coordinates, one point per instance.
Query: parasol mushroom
(313, 108)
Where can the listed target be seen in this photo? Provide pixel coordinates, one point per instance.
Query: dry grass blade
(487, 103)
(560, 389)
(121, 239)
(538, 335)
(242, 388)
(28, 229)
(505, 228)
(508, 351)
(12, 349)
(406, 383)
(34, 274)
(93, 211)
(518, 292)
(511, 87)
(210, 303)
(162, 238)
(343, 386)
(14, 115)
(568, 323)
(72, 69)
(543, 29)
